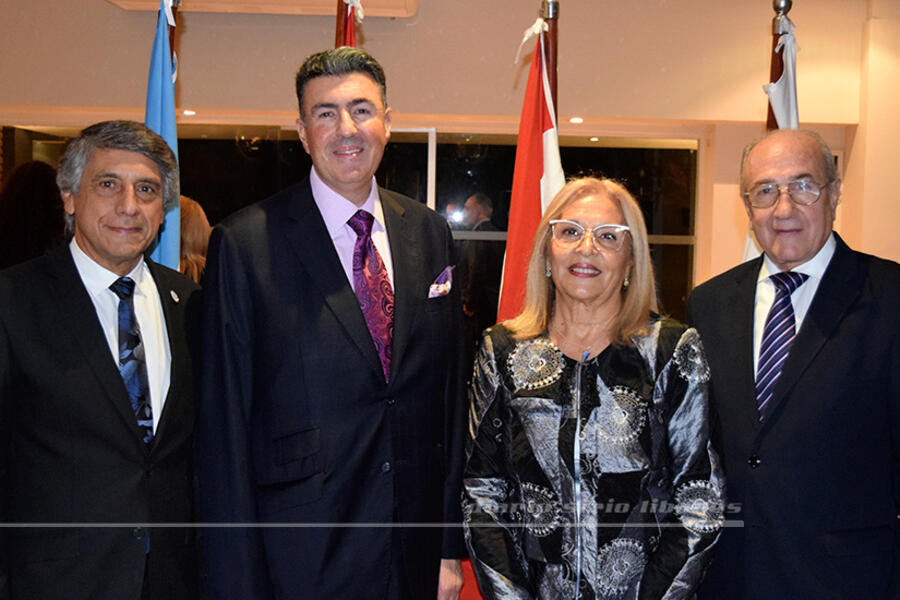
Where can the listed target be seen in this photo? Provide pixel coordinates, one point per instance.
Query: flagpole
(550, 14)
(776, 67)
(176, 4)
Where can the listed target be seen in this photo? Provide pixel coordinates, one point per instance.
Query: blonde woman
(590, 473)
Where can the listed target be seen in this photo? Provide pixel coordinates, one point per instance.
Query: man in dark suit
(804, 352)
(481, 264)
(96, 396)
(331, 407)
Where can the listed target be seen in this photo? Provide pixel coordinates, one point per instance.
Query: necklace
(583, 351)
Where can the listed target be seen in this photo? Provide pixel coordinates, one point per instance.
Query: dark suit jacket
(71, 450)
(818, 479)
(480, 270)
(296, 423)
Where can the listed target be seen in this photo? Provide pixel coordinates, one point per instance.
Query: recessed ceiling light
(189, 113)
(576, 120)
(595, 139)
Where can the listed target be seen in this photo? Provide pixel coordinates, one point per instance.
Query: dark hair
(339, 61)
(484, 201)
(31, 213)
(118, 135)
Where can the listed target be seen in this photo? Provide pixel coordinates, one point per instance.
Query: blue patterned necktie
(778, 335)
(131, 357)
(373, 288)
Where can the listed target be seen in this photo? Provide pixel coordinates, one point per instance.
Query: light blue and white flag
(160, 117)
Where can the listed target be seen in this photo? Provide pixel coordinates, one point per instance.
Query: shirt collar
(337, 210)
(814, 267)
(97, 278)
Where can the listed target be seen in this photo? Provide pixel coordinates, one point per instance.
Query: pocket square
(443, 283)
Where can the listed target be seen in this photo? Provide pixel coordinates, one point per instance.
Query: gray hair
(827, 156)
(117, 135)
(339, 61)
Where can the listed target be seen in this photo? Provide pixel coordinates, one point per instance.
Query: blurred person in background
(195, 232)
(31, 213)
(480, 266)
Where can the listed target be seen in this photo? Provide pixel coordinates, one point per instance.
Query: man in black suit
(96, 396)
(481, 264)
(331, 406)
(806, 384)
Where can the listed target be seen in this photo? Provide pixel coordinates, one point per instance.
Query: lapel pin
(174, 296)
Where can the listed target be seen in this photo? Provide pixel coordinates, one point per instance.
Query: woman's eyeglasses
(603, 237)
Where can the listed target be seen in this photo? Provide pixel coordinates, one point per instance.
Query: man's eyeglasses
(603, 237)
(801, 191)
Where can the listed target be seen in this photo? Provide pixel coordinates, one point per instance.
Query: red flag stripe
(537, 177)
(350, 27)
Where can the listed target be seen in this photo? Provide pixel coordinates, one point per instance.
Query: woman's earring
(547, 271)
(627, 282)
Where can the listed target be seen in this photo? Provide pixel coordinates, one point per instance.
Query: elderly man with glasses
(804, 353)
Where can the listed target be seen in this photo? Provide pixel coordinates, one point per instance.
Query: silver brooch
(689, 358)
(535, 364)
(619, 564)
(700, 507)
(621, 415)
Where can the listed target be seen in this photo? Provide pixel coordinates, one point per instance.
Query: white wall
(649, 68)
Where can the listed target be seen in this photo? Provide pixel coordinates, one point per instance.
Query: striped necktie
(778, 335)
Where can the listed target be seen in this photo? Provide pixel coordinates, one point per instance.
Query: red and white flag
(537, 176)
(783, 92)
(348, 16)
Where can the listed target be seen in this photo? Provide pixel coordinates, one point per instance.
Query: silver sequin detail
(700, 506)
(555, 584)
(621, 415)
(543, 511)
(689, 358)
(619, 564)
(535, 364)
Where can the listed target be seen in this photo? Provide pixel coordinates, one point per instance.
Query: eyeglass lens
(801, 191)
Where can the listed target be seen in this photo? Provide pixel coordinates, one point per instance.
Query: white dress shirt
(337, 210)
(800, 299)
(148, 310)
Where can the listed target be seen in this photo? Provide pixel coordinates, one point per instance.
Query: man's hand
(451, 579)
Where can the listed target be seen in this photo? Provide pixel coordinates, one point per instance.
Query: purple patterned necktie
(778, 335)
(373, 288)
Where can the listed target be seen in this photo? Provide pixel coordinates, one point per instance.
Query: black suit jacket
(818, 480)
(71, 451)
(297, 425)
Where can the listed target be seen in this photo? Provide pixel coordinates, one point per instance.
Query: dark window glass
(674, 265)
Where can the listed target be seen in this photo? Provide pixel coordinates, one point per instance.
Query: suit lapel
(173, 313)
(82, 324)
(839, 288)
(308, 237)
(407, 262)
(740, 346)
